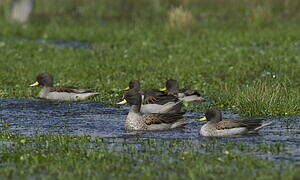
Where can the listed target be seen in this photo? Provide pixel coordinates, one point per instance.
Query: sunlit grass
(262, 98)
(226, 65)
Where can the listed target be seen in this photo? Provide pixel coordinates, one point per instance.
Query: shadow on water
(36, 116)
(73, 44)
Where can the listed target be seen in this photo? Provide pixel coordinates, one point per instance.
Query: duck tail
(177, 106)
(263, 125)
(91, 94)
(179, 124)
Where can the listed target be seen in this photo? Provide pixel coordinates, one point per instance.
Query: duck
(185, 94)
(216, 127)
(136, 121)
(61, 93)
(154, 100)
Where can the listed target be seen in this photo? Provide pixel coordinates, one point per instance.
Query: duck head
(43, 79)
(212, 115)
(133, 84)
(133, 97)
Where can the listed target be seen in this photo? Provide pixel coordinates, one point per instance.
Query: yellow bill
(126, 89)
(34, 84)
(163, 89)
(122, 102)
(202, 119)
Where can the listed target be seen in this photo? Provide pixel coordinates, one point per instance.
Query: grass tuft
(262, 98)
(261, 15)
(180, 18)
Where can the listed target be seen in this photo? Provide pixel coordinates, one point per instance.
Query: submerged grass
(81, 157)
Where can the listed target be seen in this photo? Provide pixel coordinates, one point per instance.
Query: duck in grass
(136, 121)
(62, 93)
(154, 100)
(186, 95)
(216, 127)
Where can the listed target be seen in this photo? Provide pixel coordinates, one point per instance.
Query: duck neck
(135, 108)
(133, 119)
(173, 91)
(45, 90)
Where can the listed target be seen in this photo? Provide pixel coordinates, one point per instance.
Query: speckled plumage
(135, 120)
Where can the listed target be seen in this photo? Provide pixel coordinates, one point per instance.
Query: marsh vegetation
(243, 56)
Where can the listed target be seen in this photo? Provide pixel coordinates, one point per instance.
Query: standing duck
(216, 127)
(62, 93)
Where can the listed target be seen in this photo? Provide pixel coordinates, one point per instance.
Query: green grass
(243, 55)
(81, 157)
(229, 65)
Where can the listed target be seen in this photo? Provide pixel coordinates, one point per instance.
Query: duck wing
(155, 96)
(229, 124)
(189, 92)
(153, 92)
(167, 118)
(70, 89)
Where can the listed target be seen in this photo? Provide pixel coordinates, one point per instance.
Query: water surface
(37, 116)
(60, 43)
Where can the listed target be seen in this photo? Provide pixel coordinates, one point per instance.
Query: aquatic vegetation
(64, 123)
(66, 156)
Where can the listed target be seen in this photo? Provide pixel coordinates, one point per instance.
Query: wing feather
(189, 92)
(229, 124)
(167, 118)
(158, 97)
(70, 89)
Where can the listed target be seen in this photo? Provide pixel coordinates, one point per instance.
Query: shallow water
(73, 44)
(37, 116)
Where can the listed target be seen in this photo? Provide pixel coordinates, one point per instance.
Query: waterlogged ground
(243, 58)
(36, 116)
(87, 139)
(59, 43)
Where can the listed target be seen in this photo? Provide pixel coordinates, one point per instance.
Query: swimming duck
(186, 95)
(216, 127)
(155, 101)
(63, 93)
(151, 95)
(136, 121)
